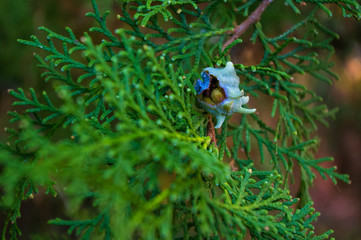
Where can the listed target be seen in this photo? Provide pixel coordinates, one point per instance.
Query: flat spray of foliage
(122, 118)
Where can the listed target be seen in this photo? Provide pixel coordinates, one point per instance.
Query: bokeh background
(340, 205)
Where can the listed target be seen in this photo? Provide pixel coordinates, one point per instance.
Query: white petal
(220, 120)
(240, 109)
(244, 100)
(229, 66)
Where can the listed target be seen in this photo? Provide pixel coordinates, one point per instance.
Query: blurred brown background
(340, 205)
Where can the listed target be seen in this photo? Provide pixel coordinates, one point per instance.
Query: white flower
(218, 93)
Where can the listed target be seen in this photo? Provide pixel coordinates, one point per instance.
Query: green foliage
(124, 133)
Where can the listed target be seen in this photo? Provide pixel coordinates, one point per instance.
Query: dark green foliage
(126, 137)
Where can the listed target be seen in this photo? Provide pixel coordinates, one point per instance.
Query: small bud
(82, 39)
(217, 96)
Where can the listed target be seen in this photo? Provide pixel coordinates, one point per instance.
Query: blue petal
(203, 84)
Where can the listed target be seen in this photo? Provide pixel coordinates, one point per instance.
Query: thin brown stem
(251, 19)
(211, 131)
(233, 165)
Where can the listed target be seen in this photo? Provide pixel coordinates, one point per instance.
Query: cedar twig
(251, 19)
(211, 131)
